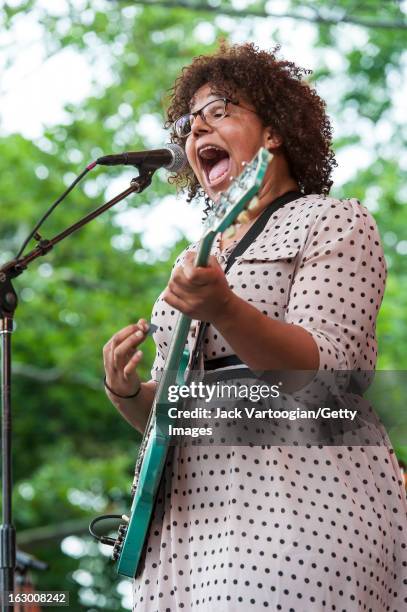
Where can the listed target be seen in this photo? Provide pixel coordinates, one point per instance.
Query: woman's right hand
(121, 357)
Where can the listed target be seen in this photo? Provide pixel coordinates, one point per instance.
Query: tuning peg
(253, 203)
(230, 231)
(243, 217)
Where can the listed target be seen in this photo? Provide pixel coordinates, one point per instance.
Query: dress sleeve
(338, 287)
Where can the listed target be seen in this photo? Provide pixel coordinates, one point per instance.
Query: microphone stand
(8, 305)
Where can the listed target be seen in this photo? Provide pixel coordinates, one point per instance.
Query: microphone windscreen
(179, 158)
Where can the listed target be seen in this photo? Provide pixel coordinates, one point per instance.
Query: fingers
(190, 259)
(140, 326)
(189, 285)
(181, 300)
(189, 276)
(176, 295)
(195, 275)
(132, 363)
(214, 264)
(125, 350)
(176, 302)
(123, 344)
(176, 289)
(124, 333)
(121, 357)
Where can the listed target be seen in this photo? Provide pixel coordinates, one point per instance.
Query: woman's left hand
(200, 293)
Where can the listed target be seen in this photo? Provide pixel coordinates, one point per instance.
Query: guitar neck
(179, 339)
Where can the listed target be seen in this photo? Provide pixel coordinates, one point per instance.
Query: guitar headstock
(239, 202)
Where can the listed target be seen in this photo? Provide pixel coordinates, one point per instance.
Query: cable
(103, 517)
(53, 206)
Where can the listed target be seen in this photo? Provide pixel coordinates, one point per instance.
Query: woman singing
(291, 527)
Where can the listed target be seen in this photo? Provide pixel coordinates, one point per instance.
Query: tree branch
(228, 10)
(43, 535)
(55, 374)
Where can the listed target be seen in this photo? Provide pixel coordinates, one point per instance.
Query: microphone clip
(143, 180)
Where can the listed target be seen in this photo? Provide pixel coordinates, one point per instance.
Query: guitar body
(148, 482)
(156, 440)
(143, 501)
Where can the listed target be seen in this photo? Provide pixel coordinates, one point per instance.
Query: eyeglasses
(211, 113)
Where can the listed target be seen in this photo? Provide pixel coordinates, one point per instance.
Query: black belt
(233, 360)
(222, 362)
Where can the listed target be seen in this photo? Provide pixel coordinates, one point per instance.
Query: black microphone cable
(52, 207)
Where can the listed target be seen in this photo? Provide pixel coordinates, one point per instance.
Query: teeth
(210, 148)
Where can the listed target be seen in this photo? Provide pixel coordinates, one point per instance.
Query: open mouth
(215, 162)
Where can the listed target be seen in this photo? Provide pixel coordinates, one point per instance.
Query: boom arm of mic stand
(8, 305)
(15, 267)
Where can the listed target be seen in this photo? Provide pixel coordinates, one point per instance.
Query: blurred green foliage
(73, 455)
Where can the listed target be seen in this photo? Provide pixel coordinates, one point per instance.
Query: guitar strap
(243, 244)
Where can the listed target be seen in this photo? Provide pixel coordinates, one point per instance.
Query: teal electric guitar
(129, 544)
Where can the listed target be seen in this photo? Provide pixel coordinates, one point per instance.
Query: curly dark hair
(282, 99)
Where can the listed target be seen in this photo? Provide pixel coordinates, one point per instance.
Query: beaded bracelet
(121, 396)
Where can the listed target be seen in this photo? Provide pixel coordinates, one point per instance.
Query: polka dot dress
(297, 529)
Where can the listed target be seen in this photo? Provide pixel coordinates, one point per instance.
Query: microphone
(172, 158)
